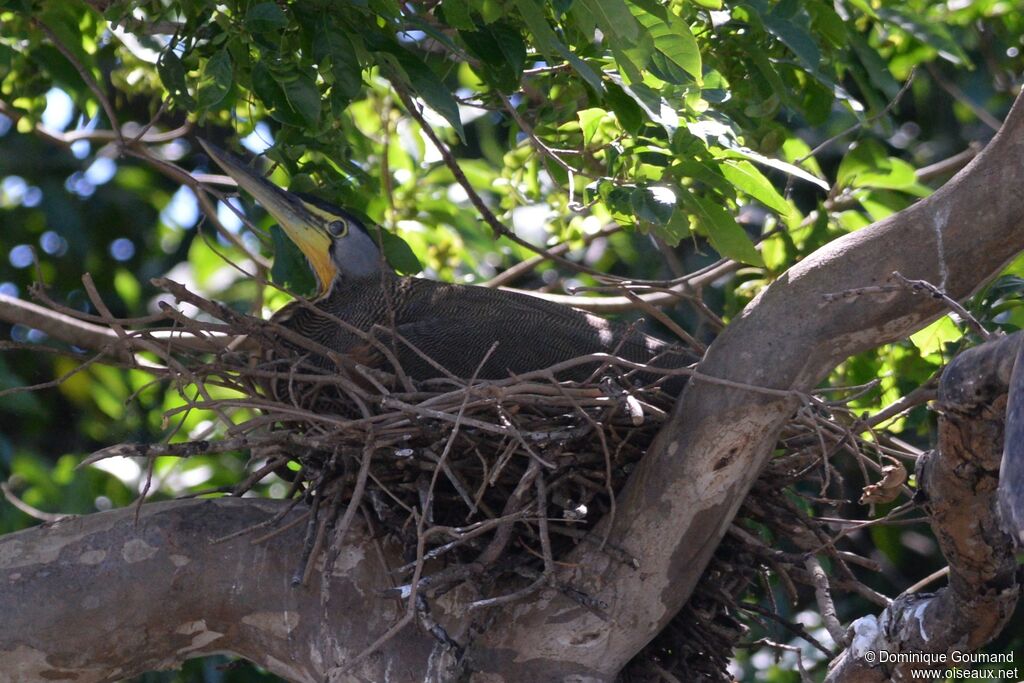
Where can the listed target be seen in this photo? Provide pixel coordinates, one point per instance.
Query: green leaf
(428, 86)
(827, 22)
(736, 150)
(619, 200)
(933, 339)
(797, 38)
(930, 33)
(172, 75)
(898, 176)
(265, 17)
(676, 230)
(456, 14)
(867, 165)
(303, 97)
(490, 10)
(725, 234)
(334, 45)
(502, 52)
(878, 71)
(399, 254)
(290, 269)
(614, 18)
(745, 177)
(216, 80)
(654, 105)
(63, 18)
(790, 23)
(634, 59)
(672, 36)
(653, 205)
(270, 92)
(545, 38)
(627, 111)
(590, 119)
(881, 204)
(707, 172)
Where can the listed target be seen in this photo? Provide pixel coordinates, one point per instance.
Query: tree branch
(682, 496)
(180, 594)
(959, 483)
(98, 338)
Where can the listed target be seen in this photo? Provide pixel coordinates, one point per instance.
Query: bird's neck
(349, 286)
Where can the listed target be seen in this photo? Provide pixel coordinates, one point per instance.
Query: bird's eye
(338, 228)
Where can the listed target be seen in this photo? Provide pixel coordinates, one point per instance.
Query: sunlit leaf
(933, 339)
(654, 205)
(614, 18)
(867, 165)
(747, 179)
(676, 230)
(736, 150)
(590, 119)
(725, 234)
(931, 33)
(656, 107)
(672, 36)
(399, 254)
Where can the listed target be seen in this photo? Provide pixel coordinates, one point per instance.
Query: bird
(434, 329)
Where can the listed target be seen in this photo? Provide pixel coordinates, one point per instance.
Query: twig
(32, 512)
(499, 228)
(823, 595)
(87, 78)
(959, 95)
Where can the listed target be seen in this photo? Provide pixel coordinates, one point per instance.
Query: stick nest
(489, 484)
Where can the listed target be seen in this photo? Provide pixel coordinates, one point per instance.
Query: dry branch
(683, 495)
(486, 485)
(604, 591)
(957, 484)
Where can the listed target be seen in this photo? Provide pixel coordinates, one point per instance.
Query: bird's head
(336, 243)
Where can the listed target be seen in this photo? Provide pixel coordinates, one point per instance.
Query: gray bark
(103, 597)
(671, 515)
(957, 485)
(685, 492)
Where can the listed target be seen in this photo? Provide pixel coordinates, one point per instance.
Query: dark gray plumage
(455, 325)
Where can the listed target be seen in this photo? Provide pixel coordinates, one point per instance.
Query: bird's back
(456, 325)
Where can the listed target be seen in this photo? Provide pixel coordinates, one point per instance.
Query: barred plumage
(454, 325)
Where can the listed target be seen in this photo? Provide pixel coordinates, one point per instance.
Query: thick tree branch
(181, 595)
(680, 500)
(958, 483)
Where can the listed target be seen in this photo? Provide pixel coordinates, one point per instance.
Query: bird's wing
(457, 325)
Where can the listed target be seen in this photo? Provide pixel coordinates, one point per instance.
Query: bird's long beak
(302, 226)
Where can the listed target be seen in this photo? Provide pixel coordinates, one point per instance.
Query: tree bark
(670, 517)
(105, 597)
(957, 487)
(679, 502)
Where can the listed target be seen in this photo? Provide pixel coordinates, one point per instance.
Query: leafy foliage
(755, 131)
